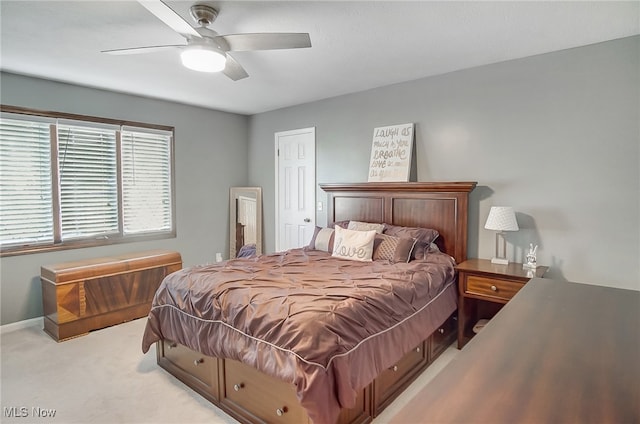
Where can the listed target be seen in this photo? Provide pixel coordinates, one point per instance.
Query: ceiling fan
(206, 50)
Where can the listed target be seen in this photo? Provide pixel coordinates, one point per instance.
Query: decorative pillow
(392, 248)
(365, 226)
(423, 236)
(353, 245)
(322, 240)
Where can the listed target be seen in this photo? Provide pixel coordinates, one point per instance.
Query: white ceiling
(357, 45)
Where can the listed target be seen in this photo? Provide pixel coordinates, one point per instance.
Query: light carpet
(103, 377)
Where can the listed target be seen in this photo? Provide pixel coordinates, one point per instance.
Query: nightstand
(484, 288)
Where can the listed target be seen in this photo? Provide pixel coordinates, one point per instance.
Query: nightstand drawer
(498, 289)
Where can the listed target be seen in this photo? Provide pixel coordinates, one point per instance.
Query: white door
(295, 187)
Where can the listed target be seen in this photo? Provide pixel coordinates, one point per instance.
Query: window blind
(146, 181)
(74, 181)
(25, 182)
(88, 181)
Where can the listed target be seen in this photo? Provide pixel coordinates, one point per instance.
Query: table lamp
(501, 218)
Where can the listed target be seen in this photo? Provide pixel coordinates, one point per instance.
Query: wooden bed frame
(253, 397)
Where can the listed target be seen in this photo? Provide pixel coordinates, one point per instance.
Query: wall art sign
(391, 153)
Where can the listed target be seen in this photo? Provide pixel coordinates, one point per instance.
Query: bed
(303, 336)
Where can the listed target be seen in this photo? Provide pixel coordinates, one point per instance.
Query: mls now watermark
(24, 412)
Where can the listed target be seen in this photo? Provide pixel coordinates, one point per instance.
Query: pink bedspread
(327, 325)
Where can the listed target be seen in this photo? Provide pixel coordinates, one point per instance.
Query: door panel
(295, 184)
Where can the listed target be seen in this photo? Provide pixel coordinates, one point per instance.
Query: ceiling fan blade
(169, 17)
(267, 41)
(234, 70)
(139, 50)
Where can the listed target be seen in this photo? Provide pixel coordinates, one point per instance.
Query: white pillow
(353, 245)
(365, 226)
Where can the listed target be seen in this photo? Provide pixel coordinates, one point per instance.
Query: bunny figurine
(531, 257)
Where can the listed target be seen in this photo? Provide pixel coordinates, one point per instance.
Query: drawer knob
(494, 288)
(281, 411)
(395, 368)
(418, 349)
(198, 362)
(173, 345)
(237, 387)
(441, 330)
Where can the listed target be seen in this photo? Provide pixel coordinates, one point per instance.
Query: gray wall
(556, 136)
(211, 156)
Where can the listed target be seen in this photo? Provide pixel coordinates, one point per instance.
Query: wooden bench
(86, 295)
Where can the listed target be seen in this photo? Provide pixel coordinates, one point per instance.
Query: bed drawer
(244, 390)
(199, 369)
(444, 336)
(386, 385)
(494, 288)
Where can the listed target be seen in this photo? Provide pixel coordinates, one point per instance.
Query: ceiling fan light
(203, 59)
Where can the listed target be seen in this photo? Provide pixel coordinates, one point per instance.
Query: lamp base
(500, 261)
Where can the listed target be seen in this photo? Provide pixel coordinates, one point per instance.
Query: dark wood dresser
(558, 352)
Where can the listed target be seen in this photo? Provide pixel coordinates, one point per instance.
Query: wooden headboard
(442, 206)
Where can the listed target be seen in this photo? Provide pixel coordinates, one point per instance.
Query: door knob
(307, 220)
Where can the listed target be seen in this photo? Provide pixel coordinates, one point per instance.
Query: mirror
(245, 221)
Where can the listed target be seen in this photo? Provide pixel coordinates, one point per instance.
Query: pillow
(322, 240)
(343, 224)
(423, 236)
(353, 245)
(247, 251)
(421, 250)
(392, 248)
(365, 226)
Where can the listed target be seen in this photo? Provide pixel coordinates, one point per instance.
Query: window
(146, 182)
(25, 182)
(73, 181)
(87, 169)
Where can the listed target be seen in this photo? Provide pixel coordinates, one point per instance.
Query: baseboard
(8, 328)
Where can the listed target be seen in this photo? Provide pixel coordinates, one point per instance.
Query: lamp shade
(203, 59)
(501, 218)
